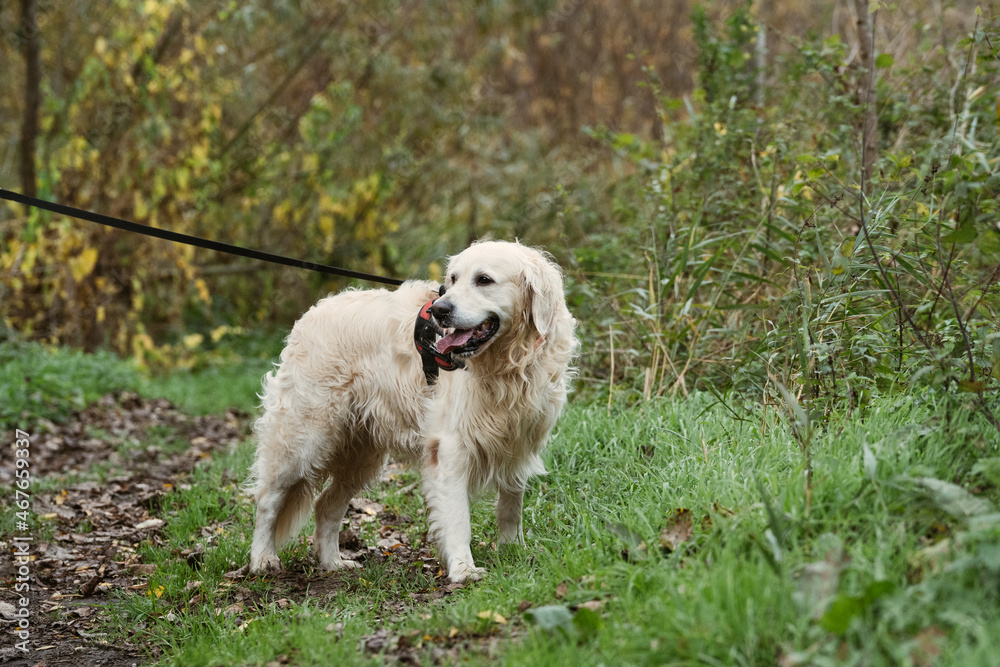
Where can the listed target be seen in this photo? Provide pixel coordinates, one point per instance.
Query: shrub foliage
(714, 224)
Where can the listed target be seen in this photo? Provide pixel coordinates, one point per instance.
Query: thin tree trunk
(32, 83)
(866, 93)
(764, 14)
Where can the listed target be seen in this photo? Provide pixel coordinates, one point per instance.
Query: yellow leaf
(81, 265)
(326, 226)
(100, 46)
(203, 291)
(847, 247)
(100, 314)
(192, 341)
(282, 211)
(30, 255)
(326, 202)
(492, 616)
(141, 210)
(199, 154)
(142, 342)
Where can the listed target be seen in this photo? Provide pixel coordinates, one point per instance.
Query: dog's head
(500, 291)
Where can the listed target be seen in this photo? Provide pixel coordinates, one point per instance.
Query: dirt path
(85, 549)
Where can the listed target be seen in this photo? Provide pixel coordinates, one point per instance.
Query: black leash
(425, 331)
(176, 237)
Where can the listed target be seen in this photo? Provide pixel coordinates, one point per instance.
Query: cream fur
(349, 391)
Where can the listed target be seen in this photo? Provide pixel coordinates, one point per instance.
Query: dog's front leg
(446, 491)
(509, 502)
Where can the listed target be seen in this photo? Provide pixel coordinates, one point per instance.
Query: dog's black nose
(441, 310)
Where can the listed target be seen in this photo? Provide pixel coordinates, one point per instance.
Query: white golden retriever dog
(350, 390)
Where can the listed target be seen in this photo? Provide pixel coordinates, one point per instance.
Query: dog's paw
(265, 565)
(339, 564)
(512, 540)
(461, 572)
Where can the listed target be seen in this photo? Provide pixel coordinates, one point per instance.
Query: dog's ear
(545, 292)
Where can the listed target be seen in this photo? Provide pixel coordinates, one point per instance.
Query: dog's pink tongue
(454, 340)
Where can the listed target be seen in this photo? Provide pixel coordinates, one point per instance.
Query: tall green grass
(38, 381)
(47, 382)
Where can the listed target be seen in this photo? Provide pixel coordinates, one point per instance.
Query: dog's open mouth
(467, 341)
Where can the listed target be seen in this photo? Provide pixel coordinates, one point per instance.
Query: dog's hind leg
(351, 471)
(509, 502)
(283, 488)
(281, 511)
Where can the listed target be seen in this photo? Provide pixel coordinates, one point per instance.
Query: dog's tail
(294, 513)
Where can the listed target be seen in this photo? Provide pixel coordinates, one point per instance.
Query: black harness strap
(176, 237)
(425, 334)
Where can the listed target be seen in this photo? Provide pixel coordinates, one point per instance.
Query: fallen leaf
(150, 523)
(235, 608)
(678, 530)
(492, 616)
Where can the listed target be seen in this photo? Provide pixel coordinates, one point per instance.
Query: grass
(212, 390)
(891, 556)
(49, 382)
(45, 382)
(871, 571)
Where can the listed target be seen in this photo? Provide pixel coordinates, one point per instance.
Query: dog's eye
(484, 280)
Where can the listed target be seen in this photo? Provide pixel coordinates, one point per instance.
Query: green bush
(750, 259)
